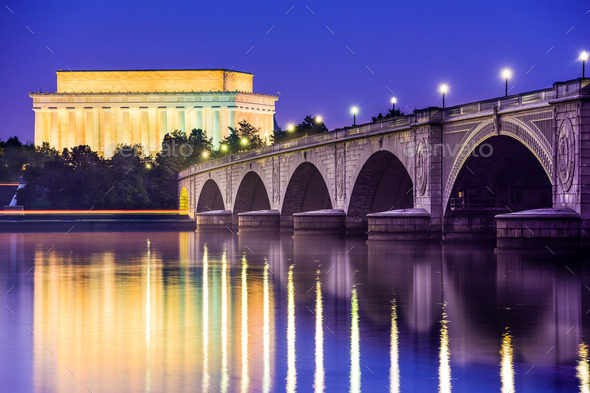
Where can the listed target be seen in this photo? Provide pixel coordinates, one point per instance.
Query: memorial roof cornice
(219, 92)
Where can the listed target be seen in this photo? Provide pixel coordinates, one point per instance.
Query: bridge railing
(422, 115)
(487, 106)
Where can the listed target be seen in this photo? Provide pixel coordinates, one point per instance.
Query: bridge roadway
(435, 173)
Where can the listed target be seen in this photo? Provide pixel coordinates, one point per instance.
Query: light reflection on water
(119, 312)
(444, 368)
(506, 369)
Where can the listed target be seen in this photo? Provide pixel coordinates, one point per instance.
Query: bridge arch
(210, 197)
(306, 191)
(533, 140)
(252, 194)
(382, 183)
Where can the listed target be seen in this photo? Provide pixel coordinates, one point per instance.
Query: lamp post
(290, 127)
(506, 73)
(354, 110)
(584, 57)
(443, 89)
(393, 102)
(318, 119)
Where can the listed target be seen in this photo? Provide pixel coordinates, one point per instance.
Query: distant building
(105, 108)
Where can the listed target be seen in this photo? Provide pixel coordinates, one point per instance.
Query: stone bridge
(437, 172)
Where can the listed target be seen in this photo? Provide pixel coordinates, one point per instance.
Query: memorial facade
(103, 109)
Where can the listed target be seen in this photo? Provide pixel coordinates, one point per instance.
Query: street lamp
(443, 89)
(393, 102)
(506, 73)
(205, 154)
(244, 141)
(318, 119)
(584, 57)
(354, 110)
(223, 147)
(290, 127)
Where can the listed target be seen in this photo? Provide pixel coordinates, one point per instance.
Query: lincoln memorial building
(103, 109)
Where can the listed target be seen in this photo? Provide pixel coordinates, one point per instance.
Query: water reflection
(583, 368)
(318, 382)
(224, 326)
(394, 352)
(355, 353)
(266, 382)
(506, 369)
(205, 331)
(291, 370)
(148, 318)
(444, 368)
(189, 310)
(245, 351)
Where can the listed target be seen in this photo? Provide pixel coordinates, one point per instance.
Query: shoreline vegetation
(79, 178)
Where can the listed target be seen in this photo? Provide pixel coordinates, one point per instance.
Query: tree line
(79, 178)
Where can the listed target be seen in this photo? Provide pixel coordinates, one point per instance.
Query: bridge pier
(538, 228)
(319, 222)
(214, 220)
(403, 224)
(463, 165)
(259, 221)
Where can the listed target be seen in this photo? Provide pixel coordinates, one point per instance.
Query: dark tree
(245, 137)
(309, 126)
(390, 113)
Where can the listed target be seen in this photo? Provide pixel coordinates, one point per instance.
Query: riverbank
(95, 221)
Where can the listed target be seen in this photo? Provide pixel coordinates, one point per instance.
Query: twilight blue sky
(298, 49)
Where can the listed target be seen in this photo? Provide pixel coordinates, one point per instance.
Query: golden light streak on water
(355, 353)
(582, 368)
(266, 332)
(291, 370)
(205, 320)
(506, 368)
(319, 376)
(444, 369)
(148, 320)
(245, 372)
(394, 379)
(224, 308)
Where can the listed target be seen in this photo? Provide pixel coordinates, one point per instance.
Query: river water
(210, 312)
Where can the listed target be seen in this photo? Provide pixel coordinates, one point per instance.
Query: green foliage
(78, 178)
(13, 156)
(245, 137)
(309, 126)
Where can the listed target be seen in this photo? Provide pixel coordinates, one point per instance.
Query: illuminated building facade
(102, 109)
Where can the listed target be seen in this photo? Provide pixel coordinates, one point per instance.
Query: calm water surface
(180, 312)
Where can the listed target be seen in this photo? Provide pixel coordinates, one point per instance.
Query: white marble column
(162, 123)
(198, 113)
(135, 126)
(71, 113)
(118, 125)
(107, 143)
(54, 128)
(144, 130)
(208, 125)
(231, 114)
(127, 137)
(217, 135)
(63, 127)
(153, 130)
(180, 123)
(80, 126)
(39, 132)
(96, 140)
